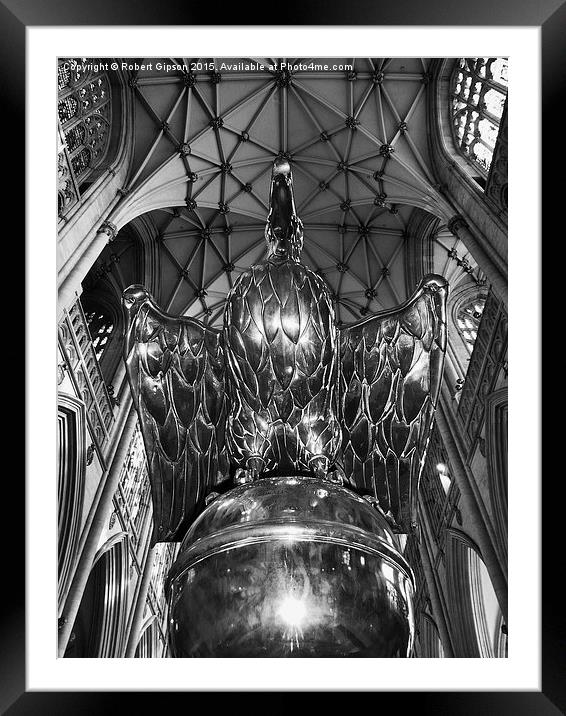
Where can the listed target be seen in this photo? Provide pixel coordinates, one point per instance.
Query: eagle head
(134, 297)
(284, 229)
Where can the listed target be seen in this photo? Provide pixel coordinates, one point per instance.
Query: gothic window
(165, 554)
(68, 108)
(143, 505)
(478, 93)
(84, 116)
(101, 327)
(444, 475)
(81, 162)
(63, 75)
(75, 137)
(468, 320)
(435, 482)
(133, 491)
(156, 611)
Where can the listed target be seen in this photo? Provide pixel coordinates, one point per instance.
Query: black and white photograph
(282, 354)
(282, 366)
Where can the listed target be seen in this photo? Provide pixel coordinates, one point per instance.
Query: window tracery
(435, 482)
(468, 320)
(101, 328)
(134, 474)
(478, 93)
(84, 110)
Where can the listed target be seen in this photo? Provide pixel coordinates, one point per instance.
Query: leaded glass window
(75, 137)
(81, 162)
(101, 327)
(468, 320)
(68, 108)
(84, 115)
(479, 93)
(63, 75)
(435, 481)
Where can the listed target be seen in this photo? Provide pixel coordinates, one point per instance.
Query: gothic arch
(419, 254)
(100, 626)
(459, 352)
(72, 462)
(106, 304)
(147, 643)
(459, 181)
(94, 131)
(132, 257)
(430, 646)
(145, 265)
(496, 410)
(441, 126)
(142, 231)
(475, 613)
(478, 96)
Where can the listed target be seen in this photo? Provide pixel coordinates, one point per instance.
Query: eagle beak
(282, 208)
(134, 296)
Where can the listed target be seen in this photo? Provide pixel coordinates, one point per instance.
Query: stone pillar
(99, 521)
(120, 381)
(471, 506)
(137, 620)
(108, 456)
(459, 227)
(497, 182)
(72, 282)
(434, 594)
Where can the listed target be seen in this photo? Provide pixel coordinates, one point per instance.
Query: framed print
(215, 439)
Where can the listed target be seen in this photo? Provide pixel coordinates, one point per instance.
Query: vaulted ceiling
(357, 140)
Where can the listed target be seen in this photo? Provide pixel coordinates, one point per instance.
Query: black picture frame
(15, 17)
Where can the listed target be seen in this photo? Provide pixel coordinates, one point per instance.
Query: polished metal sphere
(290, 566)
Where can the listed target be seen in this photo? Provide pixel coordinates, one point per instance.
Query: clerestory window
(101, 327)
(478, 94)
(84, 110)
(468, 320)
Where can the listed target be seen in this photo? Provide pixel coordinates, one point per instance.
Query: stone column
(120, 381)
(459, 227)
(471, 506)
(99, 521)
(137, 620)
(72, 282)
(434, 594)
(107, 458)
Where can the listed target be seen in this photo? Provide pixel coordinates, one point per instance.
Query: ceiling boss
(286, 453)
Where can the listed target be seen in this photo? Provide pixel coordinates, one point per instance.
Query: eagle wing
(390, 372)
(175, 367)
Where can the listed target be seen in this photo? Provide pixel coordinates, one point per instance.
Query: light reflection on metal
(281, 353)
(281, 391)
(274, 582)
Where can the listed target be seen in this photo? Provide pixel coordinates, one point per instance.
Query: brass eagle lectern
(285, 454)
